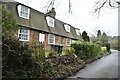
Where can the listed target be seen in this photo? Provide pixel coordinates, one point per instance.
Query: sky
(82, 15)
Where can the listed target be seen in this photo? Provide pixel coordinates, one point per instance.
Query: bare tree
(100, 4)
(51, 4)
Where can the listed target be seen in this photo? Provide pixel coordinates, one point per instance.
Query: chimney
(51, 13)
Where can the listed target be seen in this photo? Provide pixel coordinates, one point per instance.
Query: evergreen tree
(85, 36)
(99, 33)
(104, 38)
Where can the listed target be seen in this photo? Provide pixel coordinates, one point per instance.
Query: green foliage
(50, 53)
(86, 50)
(107, 45)
(115, 42)
(9, 23)
(38, 50)
(99, 43)
(104, 49)
(70, 51)
(16, 56)
(19, 62)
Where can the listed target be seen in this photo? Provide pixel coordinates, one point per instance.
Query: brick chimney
(51, 13)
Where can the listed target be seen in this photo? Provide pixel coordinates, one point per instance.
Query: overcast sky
(82, 16)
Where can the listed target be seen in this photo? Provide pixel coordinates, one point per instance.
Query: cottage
(36, 26)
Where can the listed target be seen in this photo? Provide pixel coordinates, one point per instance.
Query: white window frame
(67, 27)
(69, 42)
(78, 32)
(72, 41)
(49, 39)
(41, 37)
(50, 21)
(28, 34)
(20, 11)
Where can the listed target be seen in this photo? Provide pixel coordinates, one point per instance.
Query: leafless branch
(99, 7)
(111, 5)
(70, 7)
(50, 5)
(118, 2)
(101, 4)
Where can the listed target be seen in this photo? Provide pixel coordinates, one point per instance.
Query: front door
(57, 48)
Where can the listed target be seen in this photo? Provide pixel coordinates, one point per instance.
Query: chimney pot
(52, 13)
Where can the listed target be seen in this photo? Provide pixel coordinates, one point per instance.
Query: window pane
(24, 11)
(68, 41)
(24, 34)
(50, 21)
(41, 37)
(51, 38)
(67, 27)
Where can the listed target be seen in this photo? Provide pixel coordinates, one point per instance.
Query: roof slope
(38, 21)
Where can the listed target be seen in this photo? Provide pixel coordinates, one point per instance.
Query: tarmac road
(106, 67)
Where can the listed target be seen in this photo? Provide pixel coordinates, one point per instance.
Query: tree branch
(99, 8)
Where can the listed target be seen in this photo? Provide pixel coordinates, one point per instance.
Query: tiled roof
(38, 21)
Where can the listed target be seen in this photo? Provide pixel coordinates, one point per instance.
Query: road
(106, 67)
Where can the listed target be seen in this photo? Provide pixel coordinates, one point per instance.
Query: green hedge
(107, 45)
(86, 50)
(70, 51)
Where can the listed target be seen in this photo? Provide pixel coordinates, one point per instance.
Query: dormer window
(67, 27)
(78, 31)
(50, 21)
(23, 11)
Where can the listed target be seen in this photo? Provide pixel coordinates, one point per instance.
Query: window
(72, 41)
(5, 6)
(68, 42)
(51, 39)
(78, 31)
(50, 21)
(41, 37)
(67, 27)
(23, 34)
(23, 11)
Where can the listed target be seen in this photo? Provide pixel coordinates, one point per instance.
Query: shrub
(86, 50)
(99, 43)
(38, 50)
(18, 61)
(107, 45)
(104, 49)
(50, 53)
(70, 51)
(16, 56)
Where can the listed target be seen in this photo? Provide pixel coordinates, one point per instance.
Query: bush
(16, 56)
(70, 51)
(99, 43)
(38, 50)
(18, 61)
(51, 53)
(86, 50)
(107, 45)
(104, 49)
